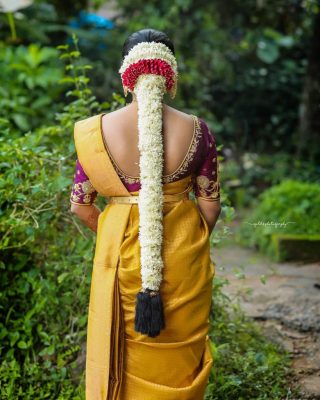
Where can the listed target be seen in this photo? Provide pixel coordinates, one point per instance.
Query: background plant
(292, 202)
(45, 253)
(246, 364)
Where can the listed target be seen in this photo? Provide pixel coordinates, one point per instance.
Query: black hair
(146, 35)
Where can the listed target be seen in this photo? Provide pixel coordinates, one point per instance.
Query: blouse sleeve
(206, 182)
(82, 193)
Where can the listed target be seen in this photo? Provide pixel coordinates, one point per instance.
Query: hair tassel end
(149, 318)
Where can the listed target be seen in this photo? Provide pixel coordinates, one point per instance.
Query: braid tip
(149, 317)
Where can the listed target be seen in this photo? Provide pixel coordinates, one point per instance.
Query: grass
(246, 364)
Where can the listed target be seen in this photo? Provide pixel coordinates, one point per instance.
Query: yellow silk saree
(122, 364)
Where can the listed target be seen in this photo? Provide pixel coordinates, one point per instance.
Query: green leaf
(62, 277)
(263, 279)
(267, 51)
(286, 41)
(62, 47)
(21, 121)
(22, 344)
(14, 336)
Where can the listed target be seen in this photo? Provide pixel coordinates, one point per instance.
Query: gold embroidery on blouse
(190, 153)
(86, 198)
(81, 188)
(214, 191)
(77, 187)
(79, 204)
(127, 178)
(203, 181)
(182, 167)
(74, 197)
(87, 187)
(206, 185)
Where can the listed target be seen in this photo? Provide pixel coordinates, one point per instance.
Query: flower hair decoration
(150, 70)
(149, 58)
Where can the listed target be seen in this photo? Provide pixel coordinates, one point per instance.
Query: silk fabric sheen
(122, 364)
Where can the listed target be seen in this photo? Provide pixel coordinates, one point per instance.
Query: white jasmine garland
(151, 168)
(149, 89)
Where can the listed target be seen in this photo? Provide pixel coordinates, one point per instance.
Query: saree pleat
(117, 346)
(105, 326)
(121, 363)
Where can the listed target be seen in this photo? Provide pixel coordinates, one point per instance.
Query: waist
(134, 199)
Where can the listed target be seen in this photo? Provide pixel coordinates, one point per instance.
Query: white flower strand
(149, 90)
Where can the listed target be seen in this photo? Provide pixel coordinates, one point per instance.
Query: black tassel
(157, 317)
(143, 312)
(149, 318)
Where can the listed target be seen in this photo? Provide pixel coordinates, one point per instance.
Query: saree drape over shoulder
(122, 364)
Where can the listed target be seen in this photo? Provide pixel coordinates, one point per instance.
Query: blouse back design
(200, 161)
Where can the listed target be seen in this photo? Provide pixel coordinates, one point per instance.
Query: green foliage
(245, 364)
(45, 254)
(242, 66)
(37, 382)
(245, 179)
(238, 62)
(29, 90)
(296, 247)
(290, 207)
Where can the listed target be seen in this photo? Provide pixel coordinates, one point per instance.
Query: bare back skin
(120, 131)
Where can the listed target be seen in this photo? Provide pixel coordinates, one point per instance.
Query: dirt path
(287, 306)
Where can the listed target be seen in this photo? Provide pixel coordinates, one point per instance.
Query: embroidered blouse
(200, 161)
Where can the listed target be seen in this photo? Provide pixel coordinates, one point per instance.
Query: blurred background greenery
(250, 68)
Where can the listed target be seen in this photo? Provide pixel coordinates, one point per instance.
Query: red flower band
(148, 66)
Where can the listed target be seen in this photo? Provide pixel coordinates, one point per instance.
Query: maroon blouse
(201, 162)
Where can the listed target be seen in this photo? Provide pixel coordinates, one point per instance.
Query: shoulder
(207, 132)
(87, 125)
(180, 118)
(116, 114)
(207, 138)
(174, 112)
(119, 119)
(188, 118)
(87, 120)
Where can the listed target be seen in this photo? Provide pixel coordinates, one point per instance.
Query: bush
(245, 364)
(29, 86)
(245, 178)
(292, 207)
(46, 255)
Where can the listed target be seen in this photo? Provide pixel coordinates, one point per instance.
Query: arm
(211, 211)
(207, 183)
(82, 198)
(88, 215)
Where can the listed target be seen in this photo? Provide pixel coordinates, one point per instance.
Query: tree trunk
(309, 126)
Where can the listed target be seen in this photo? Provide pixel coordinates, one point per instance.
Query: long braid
(150, 70)
(149, 91)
